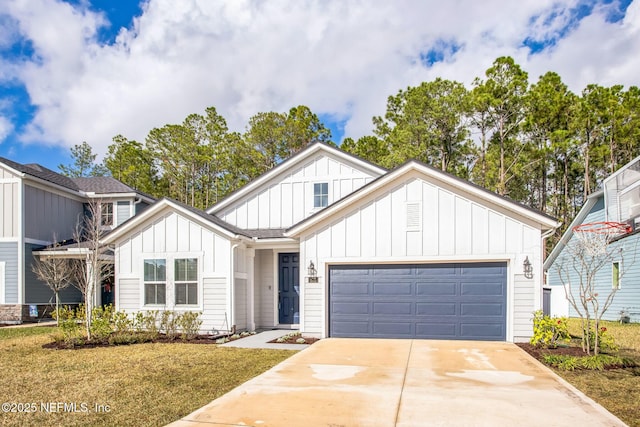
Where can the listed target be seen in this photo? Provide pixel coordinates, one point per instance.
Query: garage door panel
(389, 289)
(477, 309)
(395, 271)
(482, 289)
(486, 331)
(436, 289)
(350, 308)
(352, 328)
(436, 270)
(392, 308)
(436, 309)
(435, 330)
(406, 301)
(391, 328)
(350, 289)
(482, 269)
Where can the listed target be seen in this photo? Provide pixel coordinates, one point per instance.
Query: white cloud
(340, 58)
(6, 127)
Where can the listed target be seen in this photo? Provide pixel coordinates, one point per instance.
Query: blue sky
(87, 70)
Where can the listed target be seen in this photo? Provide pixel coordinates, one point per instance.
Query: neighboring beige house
(37, 204)
(335, 246)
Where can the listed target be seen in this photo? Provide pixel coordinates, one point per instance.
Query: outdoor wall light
(312, 273)
(527, 268)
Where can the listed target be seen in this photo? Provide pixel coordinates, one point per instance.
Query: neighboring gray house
(618, 202)
(36, 204)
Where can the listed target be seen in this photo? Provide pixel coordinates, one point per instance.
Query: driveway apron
(370, 382)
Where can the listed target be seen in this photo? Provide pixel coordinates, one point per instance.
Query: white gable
(288, 196)
(419, 219)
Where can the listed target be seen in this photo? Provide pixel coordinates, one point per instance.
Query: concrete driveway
(363, 382)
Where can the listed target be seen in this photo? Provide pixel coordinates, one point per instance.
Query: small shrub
(169, 323)
(301, 341)
(548, 332)
(222, 340)
(606, 341)
(125, 338)
(102, 322)
(121, 322)
(189, 323)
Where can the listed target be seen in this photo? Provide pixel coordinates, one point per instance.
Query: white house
(336, 246)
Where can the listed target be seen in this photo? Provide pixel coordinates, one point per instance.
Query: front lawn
(142, 384)
(618, 390)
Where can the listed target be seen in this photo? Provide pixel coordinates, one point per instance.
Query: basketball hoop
(595, 236)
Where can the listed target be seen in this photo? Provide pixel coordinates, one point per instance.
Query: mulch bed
(538, 352)
(292, 340)
(199, 339)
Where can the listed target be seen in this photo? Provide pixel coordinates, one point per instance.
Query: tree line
(539, 144)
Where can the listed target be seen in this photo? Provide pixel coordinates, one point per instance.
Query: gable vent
(414, 219)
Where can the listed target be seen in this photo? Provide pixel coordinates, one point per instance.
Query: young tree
(584, 257)
(57, 273)
(83, 163)
(90, 271)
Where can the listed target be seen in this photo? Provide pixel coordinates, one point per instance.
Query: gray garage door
(439, 301)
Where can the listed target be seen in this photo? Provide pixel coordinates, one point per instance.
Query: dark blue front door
(288, 288)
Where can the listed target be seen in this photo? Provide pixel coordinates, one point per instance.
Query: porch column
(251, 318)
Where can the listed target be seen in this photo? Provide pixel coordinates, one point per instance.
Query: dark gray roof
(265, 233)
(102, 184)
(41, 172)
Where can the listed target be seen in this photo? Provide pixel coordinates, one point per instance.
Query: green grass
(618, 390)
(142, 384)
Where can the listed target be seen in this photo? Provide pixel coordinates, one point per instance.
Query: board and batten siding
(626, 298)
(37, 291)
(172, 236)
(9, 256)
(10, 199)
(288, 197)
(45, 212)
(448, 227)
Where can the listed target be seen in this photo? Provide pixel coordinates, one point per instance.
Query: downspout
(136, 200)
(232, 293)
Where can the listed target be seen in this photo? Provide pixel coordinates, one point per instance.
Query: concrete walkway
(261, 340)
(31, 324)
(393, 383)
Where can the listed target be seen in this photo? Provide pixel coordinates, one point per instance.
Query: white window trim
(170, 300)
(144, 283)
(619, 278)
(177, 282)
(313, 194)
(2, 281)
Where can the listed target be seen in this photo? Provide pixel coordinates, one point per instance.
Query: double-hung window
(186, 281)
(155, 281)
(320, 195)
(106, 214)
